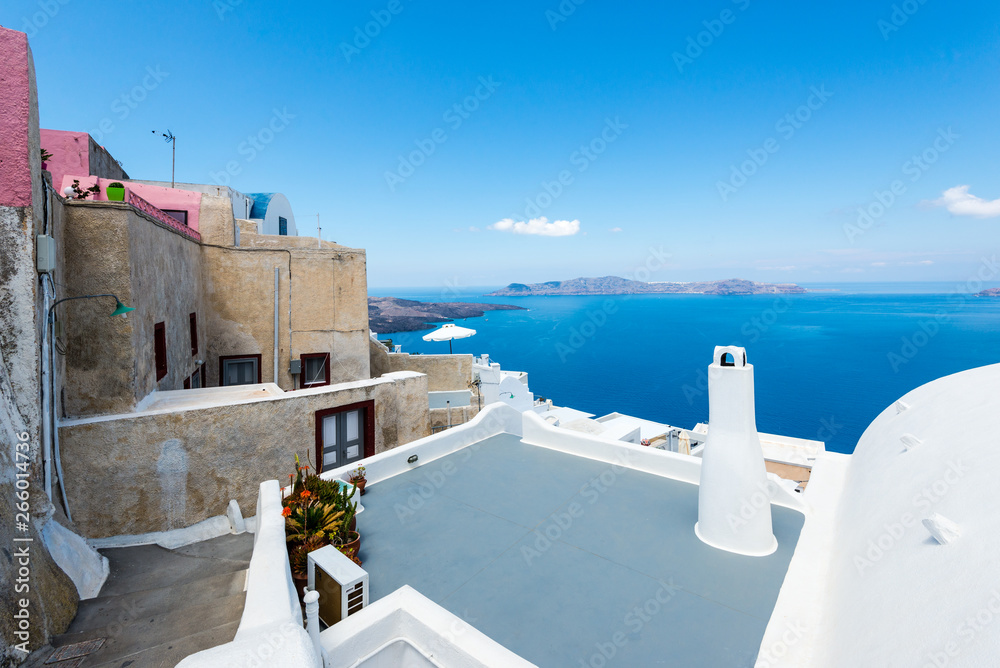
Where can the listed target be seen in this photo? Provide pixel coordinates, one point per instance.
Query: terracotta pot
(351, 548)
(360, 484)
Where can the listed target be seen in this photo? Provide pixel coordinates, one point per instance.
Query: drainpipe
(276, 279)
(47, 402)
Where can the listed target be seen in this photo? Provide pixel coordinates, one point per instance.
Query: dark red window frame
(193, 320)
(160, 349)
(223, 358)
(369, 413)
(326, 369)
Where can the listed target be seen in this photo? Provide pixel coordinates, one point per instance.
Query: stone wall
(110, 248)
(50, 594)
(156, 471)
(444, 372)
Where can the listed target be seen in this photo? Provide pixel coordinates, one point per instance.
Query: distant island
(992, 292)
(391, 314)
(615, 285)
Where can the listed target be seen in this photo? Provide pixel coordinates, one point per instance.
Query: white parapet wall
(407, 629)
(495, 419)
(270, 631)
(664, 463)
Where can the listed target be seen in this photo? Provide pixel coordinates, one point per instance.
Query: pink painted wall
(15, 91)
(158, 196)
(70, 153)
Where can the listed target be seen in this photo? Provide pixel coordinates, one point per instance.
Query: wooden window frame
(222, 367)
(326, 369)
(369, 413)
(160, 350)
(193, 321)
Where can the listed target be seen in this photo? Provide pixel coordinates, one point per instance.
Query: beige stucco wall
(152, 472)
(110, 363)
(444, 372)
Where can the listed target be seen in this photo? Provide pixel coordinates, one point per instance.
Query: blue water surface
(826, 363)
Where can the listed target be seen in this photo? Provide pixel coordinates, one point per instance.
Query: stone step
(108, 611)
(170, 654)
(172, 628)
(153, 567)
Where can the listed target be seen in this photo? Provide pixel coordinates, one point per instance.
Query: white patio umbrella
(448, 333)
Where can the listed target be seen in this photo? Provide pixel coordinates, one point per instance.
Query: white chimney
(734, 498)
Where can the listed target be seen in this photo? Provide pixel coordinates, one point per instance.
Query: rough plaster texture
(158, 471)
(110, 248)
(52, 597)
(444, 372)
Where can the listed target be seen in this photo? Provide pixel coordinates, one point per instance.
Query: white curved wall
(279, 206)
(896, 596)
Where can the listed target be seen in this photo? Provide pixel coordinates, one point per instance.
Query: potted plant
(309, 525)
(46, 156)
(115, 192)
(79, 192)
(357, 477)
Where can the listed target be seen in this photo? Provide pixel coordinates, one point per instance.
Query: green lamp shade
(121, 309)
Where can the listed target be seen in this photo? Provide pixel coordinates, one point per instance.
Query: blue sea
(826, 363)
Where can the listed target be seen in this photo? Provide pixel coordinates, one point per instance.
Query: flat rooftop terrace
(569, 561)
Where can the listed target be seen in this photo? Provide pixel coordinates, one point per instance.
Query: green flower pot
(115, 194)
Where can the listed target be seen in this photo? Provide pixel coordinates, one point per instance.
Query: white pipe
(55, 421)
(276, 279)
(47, 416)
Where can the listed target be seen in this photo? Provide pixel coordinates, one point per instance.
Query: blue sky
(648, 113)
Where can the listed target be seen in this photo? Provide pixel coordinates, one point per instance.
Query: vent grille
(355, 598)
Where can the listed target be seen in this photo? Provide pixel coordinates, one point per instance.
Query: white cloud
(918, 263)
(538, 226)
(790, 267)
(878, 264)
(615, 229)
(961, 202)
(473, 228)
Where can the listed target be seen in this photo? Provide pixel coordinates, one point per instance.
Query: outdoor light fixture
(412, 459)
(120, 309)
(68, 191)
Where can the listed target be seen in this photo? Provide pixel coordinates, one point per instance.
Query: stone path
(159, 606)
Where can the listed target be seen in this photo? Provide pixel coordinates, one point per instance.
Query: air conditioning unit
(341, 583)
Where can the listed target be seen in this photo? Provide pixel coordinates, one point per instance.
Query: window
(282, 226)
(345, 434)
(239, 370)
(160, 349)
(196, 379)
(315, 370)
(187, 383)
(179, 215)
(193, 318)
